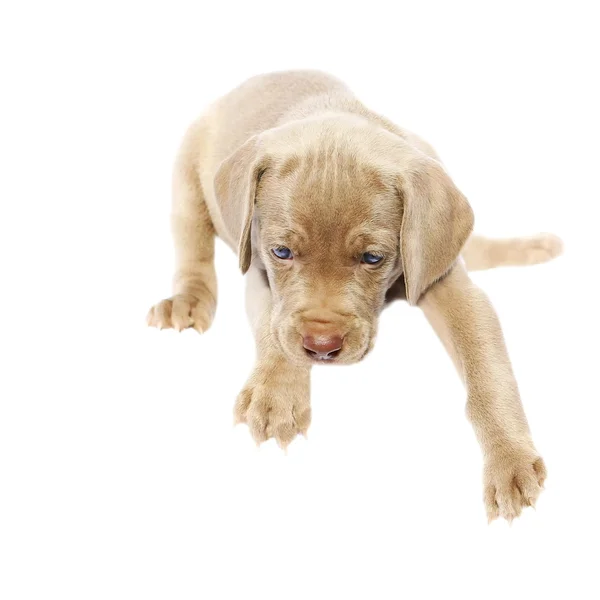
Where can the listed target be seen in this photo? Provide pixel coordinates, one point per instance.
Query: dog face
(334, 213)
(326, 230)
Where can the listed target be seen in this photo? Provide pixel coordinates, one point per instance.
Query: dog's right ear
(236, 182)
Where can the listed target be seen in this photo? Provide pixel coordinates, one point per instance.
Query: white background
(120, 473)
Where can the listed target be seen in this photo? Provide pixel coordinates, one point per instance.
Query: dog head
(335, 211)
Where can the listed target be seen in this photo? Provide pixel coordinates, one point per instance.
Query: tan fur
(467, 325)
(484, 253)
(293, 159)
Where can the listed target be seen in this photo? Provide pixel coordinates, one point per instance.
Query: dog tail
(481, 253)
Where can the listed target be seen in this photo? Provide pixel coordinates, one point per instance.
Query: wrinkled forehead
(330, 195)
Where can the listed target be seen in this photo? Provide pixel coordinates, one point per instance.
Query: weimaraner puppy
(334, 212)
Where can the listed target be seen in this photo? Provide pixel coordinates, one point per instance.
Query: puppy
(334, 212)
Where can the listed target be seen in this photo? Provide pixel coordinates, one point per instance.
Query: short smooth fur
(294, 160)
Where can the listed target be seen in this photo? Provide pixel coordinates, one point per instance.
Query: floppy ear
(436, 222)
(236, 181)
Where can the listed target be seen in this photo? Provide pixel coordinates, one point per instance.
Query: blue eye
(283, 253)
(371, 259)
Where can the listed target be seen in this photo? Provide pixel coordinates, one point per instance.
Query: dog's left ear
(236, 181)
(437, 221)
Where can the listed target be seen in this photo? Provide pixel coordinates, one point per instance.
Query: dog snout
(323, 346)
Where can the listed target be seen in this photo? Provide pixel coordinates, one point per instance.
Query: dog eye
(371, 259)
(283, 253)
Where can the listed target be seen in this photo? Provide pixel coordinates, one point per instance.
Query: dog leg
(482, 253)
(194, 297)
(467, 325)
(275, 402)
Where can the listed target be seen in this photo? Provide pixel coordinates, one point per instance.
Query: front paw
(513, 480)
(183, 311)
(275, 404)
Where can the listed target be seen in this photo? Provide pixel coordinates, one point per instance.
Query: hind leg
(194, 297)
(482, 253)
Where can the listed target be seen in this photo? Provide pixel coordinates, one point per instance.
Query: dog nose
(323, 347)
